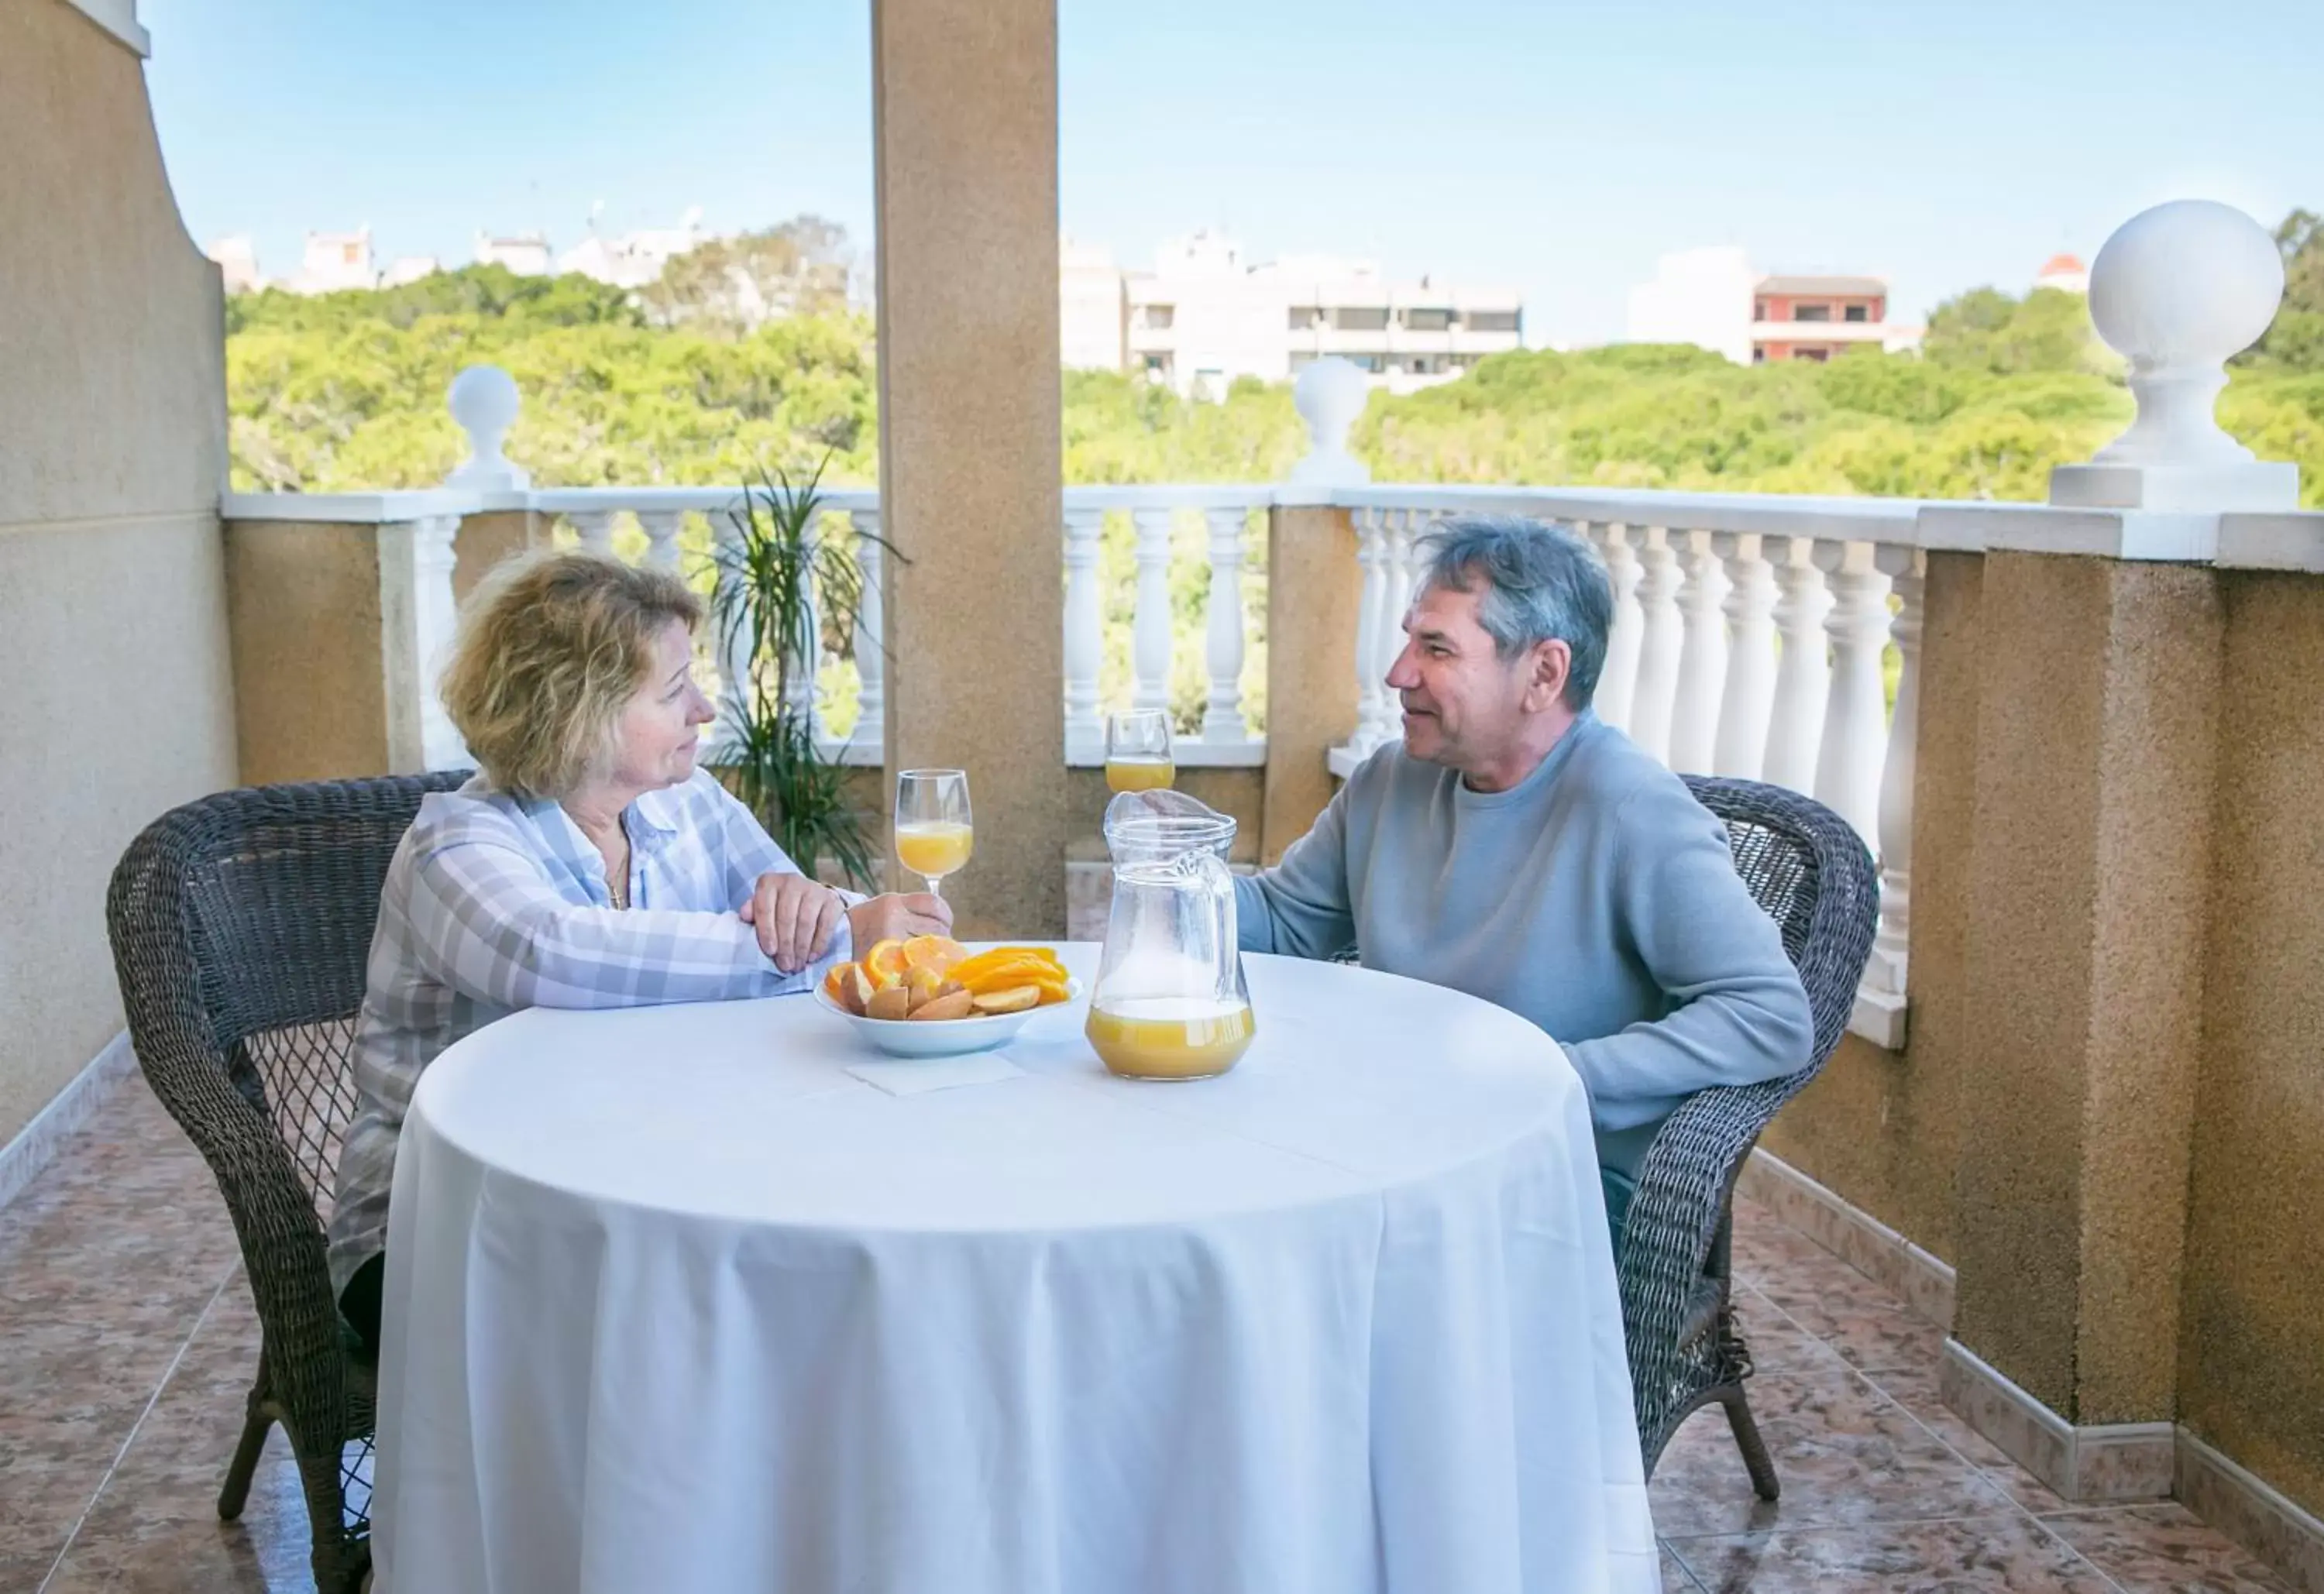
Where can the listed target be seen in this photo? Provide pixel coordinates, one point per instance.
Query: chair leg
(1746, 1428)
(245, 1465)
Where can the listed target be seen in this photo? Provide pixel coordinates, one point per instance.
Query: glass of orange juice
(934, 833)
(1138, 751)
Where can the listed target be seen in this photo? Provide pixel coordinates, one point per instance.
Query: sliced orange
(835, 982)
(1001, 976)
(885, 963)
(999, 956)
(939, 953)
(1014, 1000)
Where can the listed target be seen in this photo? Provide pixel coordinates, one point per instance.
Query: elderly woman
(589, 864)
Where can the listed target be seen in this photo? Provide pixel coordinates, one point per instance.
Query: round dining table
(677, 1303)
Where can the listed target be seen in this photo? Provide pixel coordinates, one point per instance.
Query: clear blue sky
(1553, 147)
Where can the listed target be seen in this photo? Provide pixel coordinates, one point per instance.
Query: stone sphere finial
(485, 400)
(2177, 290)
(1330, 396)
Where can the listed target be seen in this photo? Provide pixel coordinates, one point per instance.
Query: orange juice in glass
(1138, 751)
(934, 832)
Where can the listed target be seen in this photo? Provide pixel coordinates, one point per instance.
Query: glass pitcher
(1170, 1001)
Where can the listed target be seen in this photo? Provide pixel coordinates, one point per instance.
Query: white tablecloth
(675, 1303)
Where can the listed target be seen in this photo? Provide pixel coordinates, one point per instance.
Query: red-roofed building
(2065, 272)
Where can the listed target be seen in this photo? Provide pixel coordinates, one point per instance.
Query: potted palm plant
(777, 583)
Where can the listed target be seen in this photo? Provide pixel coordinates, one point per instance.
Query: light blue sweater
(1597, 898)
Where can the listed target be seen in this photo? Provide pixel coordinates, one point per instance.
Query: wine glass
(1138, 751)
(933, 831)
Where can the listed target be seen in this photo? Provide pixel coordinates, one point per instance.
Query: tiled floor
(127, 1338)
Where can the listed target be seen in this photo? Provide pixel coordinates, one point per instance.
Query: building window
(1758, 309)
(1857, 312)
(1157, 365)
(1305, 316)
(1158, 317)
(1365, 362)
(1811, 312)
(1428, 321)
(1490, 320)
(1818, 356)
(1354, 318)
(1758, 354)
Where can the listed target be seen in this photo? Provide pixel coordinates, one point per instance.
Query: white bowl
(943, 1037)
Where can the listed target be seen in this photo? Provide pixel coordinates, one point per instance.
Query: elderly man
(1518, 848)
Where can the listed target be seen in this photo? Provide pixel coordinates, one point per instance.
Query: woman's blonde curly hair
(550, 647)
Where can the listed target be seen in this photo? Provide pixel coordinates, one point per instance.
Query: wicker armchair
(240, 927)
(1808, 868)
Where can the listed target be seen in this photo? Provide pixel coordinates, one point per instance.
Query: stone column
(1314, 594)
(964, 104)
(2088, 881)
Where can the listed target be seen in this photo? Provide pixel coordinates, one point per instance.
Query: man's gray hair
(1536, 581)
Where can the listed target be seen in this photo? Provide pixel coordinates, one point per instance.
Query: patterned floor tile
(2163, 1549)
(157, 1518)
(1844, 1454)
(1915, 1389)
(2005, 1555)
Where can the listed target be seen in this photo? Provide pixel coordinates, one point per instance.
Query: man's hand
(896, 916)
(794, 917)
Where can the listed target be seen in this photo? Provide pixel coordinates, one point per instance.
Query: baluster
(803, 654)
(1702, 654)
(1659, 641)
(1855, 728)
(736, 621)
(1617, 683)
(1750, 696)
(1150, 638)
(1907, 566)
(1222, 716)
(1084, 635)
(1802, 677)
(594, 528)
(1371, 558)
(434, 557)
(871, 632)
(660, 527)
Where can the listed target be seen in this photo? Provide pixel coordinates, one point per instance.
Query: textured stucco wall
(2088, 890)
(965, 109)
(2251, 1372)
(113, 624)
(1315, 592)
(309, 682)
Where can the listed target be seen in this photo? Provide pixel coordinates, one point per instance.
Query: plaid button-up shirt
(493, 903)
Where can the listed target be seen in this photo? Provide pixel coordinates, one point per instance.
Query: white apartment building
(237, 262)
(633, 259)
(1201, 317)
(1716, 300)
(333, 261)
(525, 254)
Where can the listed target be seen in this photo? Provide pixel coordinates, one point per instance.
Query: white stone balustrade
(1222, 732)
(1748, 631)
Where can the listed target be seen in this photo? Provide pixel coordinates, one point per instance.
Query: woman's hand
(896, 916)
(794, 917)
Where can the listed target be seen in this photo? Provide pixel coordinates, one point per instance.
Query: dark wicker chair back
(241, 924)
(1809, 871)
